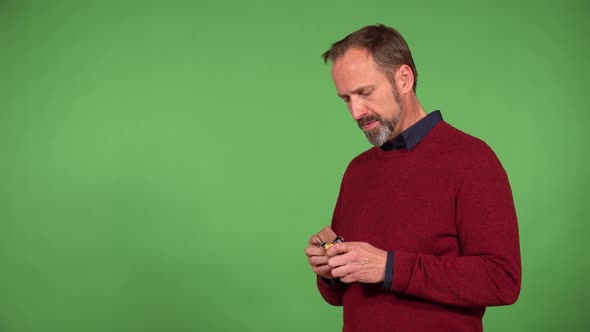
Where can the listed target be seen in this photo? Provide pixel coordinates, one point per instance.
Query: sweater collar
(414, 134)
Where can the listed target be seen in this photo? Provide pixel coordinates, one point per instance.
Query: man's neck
(412, 113)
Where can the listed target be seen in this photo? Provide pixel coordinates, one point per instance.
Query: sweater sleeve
(487, 271)
(332, 290)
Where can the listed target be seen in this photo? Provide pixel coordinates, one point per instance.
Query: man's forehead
(354, 70)
(353, 57)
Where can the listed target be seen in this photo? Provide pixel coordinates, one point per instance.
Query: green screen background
(163, 164)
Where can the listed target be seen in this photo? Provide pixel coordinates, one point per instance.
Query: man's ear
(404, 79)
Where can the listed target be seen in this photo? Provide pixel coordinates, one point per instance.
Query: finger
(339, 260)
(322, 269)
(348, 279)
(342, 271)
(315, 251)
(339, 248)
(318, 260)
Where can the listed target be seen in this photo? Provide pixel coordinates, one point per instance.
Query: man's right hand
(316, 255)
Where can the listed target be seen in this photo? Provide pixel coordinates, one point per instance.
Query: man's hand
(317, 258)
(357, 262)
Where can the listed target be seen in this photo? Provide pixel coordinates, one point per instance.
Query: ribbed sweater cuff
(388, 271)
(331, 283)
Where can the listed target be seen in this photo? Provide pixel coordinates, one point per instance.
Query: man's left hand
(357, 262)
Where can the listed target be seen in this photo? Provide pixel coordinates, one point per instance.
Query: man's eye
(346, 99)
(365, 93)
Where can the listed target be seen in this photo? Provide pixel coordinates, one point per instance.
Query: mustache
(369, 118)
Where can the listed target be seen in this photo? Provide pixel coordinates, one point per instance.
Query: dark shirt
(413, 135)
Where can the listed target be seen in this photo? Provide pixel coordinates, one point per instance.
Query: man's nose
(357, 109)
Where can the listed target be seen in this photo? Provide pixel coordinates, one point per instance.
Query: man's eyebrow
(358, 90)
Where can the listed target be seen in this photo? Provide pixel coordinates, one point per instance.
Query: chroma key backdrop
(163, 163)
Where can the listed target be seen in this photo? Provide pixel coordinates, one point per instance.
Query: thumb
(339, 248)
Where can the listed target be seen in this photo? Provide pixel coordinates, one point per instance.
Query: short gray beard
(382, 134)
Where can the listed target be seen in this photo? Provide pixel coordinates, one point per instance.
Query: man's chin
(375, 140)
(377, 136)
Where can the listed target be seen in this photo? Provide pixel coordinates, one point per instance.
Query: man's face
(369, 95)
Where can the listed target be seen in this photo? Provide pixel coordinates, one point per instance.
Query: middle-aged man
(427, 215)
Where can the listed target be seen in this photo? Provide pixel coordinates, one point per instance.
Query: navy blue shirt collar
(413, 135)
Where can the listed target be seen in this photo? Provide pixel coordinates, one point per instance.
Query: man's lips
(370, 124)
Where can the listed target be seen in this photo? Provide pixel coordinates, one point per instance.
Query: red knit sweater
(445, 209)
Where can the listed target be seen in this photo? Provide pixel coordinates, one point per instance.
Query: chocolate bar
(328, 237)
